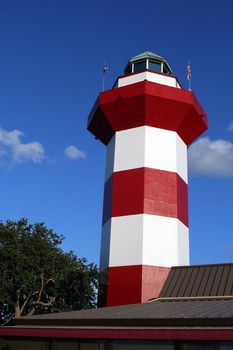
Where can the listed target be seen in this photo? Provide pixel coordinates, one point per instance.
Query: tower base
(133, 284)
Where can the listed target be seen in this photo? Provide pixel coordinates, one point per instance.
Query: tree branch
(49, 280)
(39, 292)
(24, 304)
(38, 302)
(17, 308)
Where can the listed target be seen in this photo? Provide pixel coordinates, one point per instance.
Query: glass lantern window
(139, 66)
(155, 66)
(129, 69)
(165, 70)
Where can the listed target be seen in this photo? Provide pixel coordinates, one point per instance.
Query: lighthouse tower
(146, 121)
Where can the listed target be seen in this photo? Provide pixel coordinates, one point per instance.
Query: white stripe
(146, 146)
(150, 76)
(147, 240)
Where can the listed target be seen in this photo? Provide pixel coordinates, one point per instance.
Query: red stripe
(146, 191)
(148, 103)
(134, 284)
(128, 334)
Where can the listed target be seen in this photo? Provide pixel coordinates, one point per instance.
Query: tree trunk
(17, 311)
(17, 308)
(31, 312)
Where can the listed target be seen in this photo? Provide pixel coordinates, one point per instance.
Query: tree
(36, 276)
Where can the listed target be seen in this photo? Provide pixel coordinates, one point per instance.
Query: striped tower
(147, 121)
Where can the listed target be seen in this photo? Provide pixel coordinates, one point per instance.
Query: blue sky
(51, 58)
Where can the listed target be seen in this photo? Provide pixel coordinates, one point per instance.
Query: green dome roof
(145, 55)
(148, 55)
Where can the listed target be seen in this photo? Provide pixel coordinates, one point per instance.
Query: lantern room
(147, 61)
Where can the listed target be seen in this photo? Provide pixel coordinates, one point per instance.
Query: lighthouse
(147, 120)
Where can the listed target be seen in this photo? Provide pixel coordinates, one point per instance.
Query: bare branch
(31, 312)
(24, 304)
(17, 308)
(42, 303)
(39, 292)
(34, 293)
(49, 280)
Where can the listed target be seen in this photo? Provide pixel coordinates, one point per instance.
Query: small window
(139, 66)
(165, 70)
(19, 344)
(70, 344)
(226, 345)
(129, 69)
(144, 346)
(155, 66)
(200, 346)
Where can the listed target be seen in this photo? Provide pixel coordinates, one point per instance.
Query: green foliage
(36, 276)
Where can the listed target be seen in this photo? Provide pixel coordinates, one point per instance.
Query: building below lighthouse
(155, 300)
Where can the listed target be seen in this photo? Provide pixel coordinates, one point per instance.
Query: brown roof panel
(192, 274)
(217, 280)
(205, 279)
(199, 281)
(155, 313)
(210, 281)
(228, 288)
(169, 283)
(224, 278)
(178, 286)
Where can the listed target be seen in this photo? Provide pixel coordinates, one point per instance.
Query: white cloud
(230, 127)
(72, 152)
(213, 158)
(12, 148)
(2, 151)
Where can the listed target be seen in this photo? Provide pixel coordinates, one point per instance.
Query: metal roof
(145, 55)
(200, 295)
(156, 313)
(199, 281)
